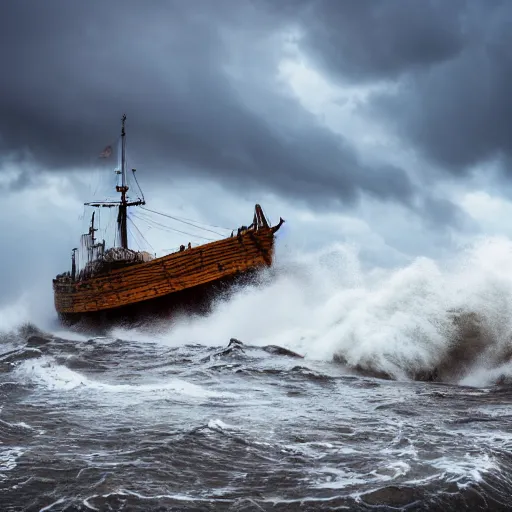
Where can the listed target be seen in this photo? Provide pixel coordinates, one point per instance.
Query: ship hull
(185, 281)
(196, 300)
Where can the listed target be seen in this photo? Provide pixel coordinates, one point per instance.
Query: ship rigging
(120, 278)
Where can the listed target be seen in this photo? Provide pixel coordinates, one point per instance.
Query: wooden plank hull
(196, 300)
(177, 276)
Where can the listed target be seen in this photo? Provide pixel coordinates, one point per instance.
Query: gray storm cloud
(368, 41)
(199, 83)
(451, 62)
(71, 69)
(197, 80)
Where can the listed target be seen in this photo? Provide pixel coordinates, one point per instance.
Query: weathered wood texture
(172, 273)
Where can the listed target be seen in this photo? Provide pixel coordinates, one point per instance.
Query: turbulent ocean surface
(402, 400)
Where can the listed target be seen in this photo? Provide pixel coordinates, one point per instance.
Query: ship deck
(180, 278)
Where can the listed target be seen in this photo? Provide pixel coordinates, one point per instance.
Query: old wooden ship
(120, 283)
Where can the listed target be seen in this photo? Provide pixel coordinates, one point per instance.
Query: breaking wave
(47, 373)
(444, 321)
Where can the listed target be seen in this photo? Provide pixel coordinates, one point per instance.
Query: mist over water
(428, 315)
(401, 401)
(401, 321)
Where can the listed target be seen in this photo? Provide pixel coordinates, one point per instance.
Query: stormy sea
(327, 385)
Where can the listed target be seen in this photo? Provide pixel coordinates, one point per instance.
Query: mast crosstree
(120, 283)
(123, 204)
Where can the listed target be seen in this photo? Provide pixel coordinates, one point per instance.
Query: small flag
(106, 152)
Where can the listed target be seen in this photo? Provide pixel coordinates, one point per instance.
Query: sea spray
(431, 320)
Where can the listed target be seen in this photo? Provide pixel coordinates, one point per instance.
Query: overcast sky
(384, 124)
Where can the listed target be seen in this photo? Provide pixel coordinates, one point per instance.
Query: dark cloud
(19, 177)
(438, 211)
(449, 63)
(198, 82)
(71, 69)
(365, 41)
(459, 115)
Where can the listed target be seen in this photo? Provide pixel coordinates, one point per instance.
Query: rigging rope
(185, 222)
(138, 230)
(165, 227)
(172, 229)
(204, 223)
(133, 237)
(140, 190)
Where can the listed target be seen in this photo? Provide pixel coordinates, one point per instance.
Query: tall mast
(123, 204)
(123, 153)
(73, 263)
(121, 218)
(90, 249)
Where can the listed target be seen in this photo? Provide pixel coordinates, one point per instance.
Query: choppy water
(109, 424)
(165, 420)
